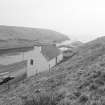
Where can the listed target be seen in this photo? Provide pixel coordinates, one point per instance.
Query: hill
(13, 32)
(77, 81)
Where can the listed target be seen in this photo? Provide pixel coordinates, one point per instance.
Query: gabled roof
(50, 51)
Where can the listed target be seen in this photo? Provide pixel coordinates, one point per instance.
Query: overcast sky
(79, 19)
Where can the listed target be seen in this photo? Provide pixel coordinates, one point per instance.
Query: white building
(22, 60)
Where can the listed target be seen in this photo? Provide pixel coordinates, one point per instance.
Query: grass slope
(78, 81)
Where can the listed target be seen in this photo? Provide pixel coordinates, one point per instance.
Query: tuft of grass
(77, 94)
(99, 82)
(83, 99)
(44, 99)
(103, 76)
(93, 87)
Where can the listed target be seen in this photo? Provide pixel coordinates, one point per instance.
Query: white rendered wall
(52, 62)
(59, 58)
(40, 63)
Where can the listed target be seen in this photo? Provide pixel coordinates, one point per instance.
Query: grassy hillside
(77, 81)
(12, 32)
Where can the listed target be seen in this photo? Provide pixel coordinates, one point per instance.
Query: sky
(82, 20)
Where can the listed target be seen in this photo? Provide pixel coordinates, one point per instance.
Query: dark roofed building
(20, 57)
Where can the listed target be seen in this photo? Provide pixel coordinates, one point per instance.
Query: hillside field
(78, 81)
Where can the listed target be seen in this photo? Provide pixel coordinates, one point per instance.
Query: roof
(50, 51)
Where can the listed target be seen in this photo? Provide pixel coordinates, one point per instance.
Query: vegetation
(78, 81)
(36, 34)
(44, 99)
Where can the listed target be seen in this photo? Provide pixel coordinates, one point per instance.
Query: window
(31, 62)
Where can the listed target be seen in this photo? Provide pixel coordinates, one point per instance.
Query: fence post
(49, 67)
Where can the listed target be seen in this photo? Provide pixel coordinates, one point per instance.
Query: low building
(18, 60)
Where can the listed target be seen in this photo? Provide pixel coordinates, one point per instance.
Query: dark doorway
(32, 62)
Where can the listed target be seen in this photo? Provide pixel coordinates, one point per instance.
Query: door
(31, 68)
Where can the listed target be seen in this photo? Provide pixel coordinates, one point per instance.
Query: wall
(13, 70)
(12, 65)
(59, 58)
(63, 48)
(64, 43)
(18, 73)
(10, 56)
(39, 65)
(52, 62)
